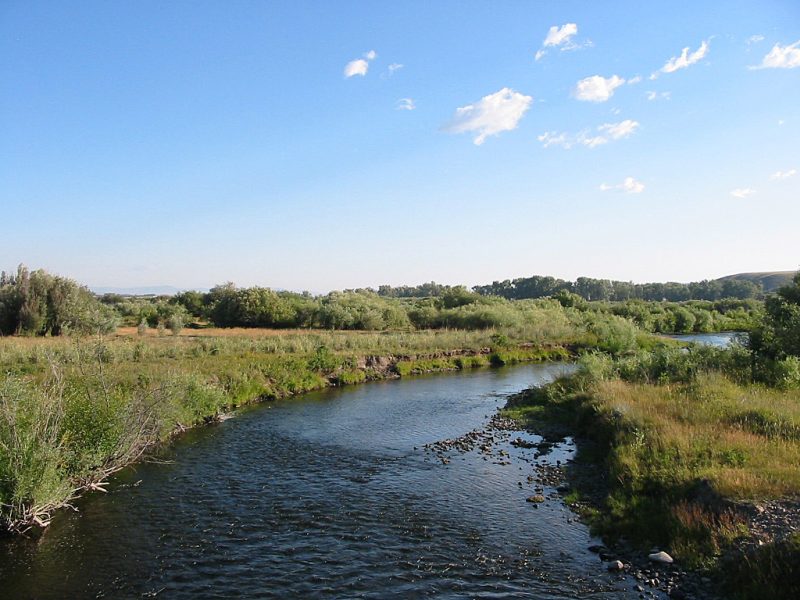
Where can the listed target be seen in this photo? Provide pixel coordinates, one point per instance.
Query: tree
(778, 336)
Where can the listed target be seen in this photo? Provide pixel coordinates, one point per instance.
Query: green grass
(74, 411)
(679, 447)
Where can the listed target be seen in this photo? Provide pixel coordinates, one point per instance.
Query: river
(719, 340)
(327, 495)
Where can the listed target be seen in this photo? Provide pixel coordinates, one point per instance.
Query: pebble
(616, 565)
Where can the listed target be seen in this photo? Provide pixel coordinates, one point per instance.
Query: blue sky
(331, 145)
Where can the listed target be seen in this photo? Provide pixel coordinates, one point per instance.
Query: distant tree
(778, 336)
(175, 323)
(194, 302)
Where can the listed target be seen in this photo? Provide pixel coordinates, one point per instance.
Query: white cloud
(617, 131)
(491, 115)
(634, 80)
(560, 35)
(395, 67)
(405, 104)
(608, 132)
(742, 192)
(597, 88)
(658, 96)
(754, 39)
(783, 174)
(781, 57)
(684, 60)
(553, 138)
(360, 66)
(356, 67)
(628, 186)
(562, 38)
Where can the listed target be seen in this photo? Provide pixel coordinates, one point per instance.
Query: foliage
(37, 303)
(606, 290)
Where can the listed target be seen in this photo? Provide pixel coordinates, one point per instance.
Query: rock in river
(660, 557)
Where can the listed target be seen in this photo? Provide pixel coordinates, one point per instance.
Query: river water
(719, 340)
(328, 495)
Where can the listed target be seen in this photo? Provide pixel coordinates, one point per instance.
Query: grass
(72, 411)
(681, 449)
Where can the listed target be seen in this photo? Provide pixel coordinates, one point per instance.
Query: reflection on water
(326, 495)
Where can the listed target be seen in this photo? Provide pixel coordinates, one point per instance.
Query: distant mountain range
(769, 280)
(151, 290)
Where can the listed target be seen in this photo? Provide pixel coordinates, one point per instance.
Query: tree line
(38, 303)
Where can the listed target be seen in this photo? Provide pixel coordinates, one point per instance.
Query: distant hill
(153, 290)
(769, 280)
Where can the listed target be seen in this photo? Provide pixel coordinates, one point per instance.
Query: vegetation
(74, 409)
(38, 303)
(686, 435)
(672, 423)
(592, 289)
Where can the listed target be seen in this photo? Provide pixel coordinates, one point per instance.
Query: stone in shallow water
(616, 565)
(660, 557)
(538, 498)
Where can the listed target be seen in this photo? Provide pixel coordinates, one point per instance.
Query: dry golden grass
(205, 332)
(745, 440)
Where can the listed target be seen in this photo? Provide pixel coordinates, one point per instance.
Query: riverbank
(697, 465)
(72, 412)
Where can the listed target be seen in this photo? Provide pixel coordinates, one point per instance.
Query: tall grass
(683, 441)
(72, 411)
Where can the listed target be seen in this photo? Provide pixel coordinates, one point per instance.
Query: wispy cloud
(359, 66)
(562, 38)
(685, 59)
(391, 69)
(783, 174)
(634, 80)
(628, 186)
(742, 192)
(754, 39)
(781, 57)
(658, 95)
(405, 104)
(597, 88)
(603, 134)
(491, 115)
(553, 138)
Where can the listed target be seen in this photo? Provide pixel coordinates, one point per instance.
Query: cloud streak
(562, 38)
(405, 104)
(783, 174)
(491, 115)
(684, 60)
(742, 193)
(603, 134)
(628, 186)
